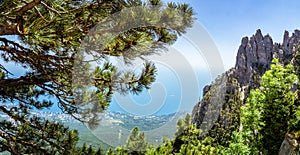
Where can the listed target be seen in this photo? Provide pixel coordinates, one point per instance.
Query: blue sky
(226, 22)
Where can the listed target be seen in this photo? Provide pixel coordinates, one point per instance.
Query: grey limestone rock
(254, 57)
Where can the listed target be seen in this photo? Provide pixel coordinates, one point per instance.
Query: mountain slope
(217, 114)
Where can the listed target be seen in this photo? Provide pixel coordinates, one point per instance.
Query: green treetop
(270, 110)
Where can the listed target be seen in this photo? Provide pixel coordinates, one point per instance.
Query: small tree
(186, 141)
(270, 110)
(237, 145)
(136, 143)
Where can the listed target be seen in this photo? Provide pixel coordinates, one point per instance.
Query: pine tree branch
(59, 12)
(8, 28)
(35, 126)
(28, 6)
(3, 68)
(12, 148)
(23, 81)
(25, 55)
(40, 14)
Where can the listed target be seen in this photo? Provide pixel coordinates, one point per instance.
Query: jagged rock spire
(253, 59)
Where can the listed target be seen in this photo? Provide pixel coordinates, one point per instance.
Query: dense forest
(54, 41)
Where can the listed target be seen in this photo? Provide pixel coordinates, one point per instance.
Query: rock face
(254, 56)
(229, 91)
(288, 146)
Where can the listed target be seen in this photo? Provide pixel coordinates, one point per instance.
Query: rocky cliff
(218, 111)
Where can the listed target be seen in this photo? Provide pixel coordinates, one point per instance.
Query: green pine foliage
(186, 141)
(237, 146)
(37, 136)
(49, 35)
(269, 113)
(136, 144)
